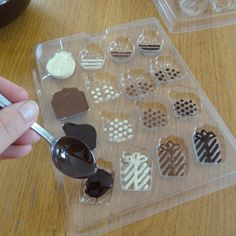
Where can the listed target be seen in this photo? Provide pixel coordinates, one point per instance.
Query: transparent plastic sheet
(157, 126)
(191, 15)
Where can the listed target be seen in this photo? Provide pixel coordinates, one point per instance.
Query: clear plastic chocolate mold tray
(162, 141)
(191, 15)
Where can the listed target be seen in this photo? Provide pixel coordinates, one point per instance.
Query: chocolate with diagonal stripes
(172, 159)
(207, 146)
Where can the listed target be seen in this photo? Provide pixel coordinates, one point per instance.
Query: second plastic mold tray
(191, 15)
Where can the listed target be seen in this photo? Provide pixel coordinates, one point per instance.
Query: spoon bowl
(72, 157)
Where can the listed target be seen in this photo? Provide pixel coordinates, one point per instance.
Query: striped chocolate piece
(150, 47)
(120, 54)
(172, 160)
(207, 147)
(92, 63)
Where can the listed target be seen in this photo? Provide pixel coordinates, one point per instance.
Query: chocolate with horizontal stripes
(92, 57)
(149, 42)
(121, 49)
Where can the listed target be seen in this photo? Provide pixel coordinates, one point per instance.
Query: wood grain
(30, 201)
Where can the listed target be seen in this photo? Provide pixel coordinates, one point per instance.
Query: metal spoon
(70, 156)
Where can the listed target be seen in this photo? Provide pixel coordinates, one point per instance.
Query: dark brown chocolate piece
(172, 160)
(151, 47)
(120, 54)
(99, 184)
(69, 102)
(207, 147)
(84, 132)
(153, 118)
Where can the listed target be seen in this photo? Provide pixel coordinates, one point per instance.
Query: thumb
(15, 120)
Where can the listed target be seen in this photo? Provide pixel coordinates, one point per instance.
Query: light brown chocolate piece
(172, 158)
(69, 102)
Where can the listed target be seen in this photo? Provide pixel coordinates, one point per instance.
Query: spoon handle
(4, 102)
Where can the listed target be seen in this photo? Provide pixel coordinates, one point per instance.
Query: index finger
(12, 91)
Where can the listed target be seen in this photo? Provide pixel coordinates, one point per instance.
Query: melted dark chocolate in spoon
(73, 158)
(84, 132)
(99, 184)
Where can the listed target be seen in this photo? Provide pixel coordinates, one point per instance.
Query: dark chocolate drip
(85, 132)
(99, 184)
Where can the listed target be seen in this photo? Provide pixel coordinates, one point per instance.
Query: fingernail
(29, 110)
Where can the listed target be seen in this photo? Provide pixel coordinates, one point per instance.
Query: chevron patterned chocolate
(207, 146)
(172, 159)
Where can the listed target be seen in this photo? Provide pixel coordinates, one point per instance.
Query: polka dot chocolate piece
(137, 83)
(166, 69)
(153, 115)
(121, 49)
(154, 118)
(149, 42)
(69, 102)
(102, 87)
(92, 57)
(119, 130)
(61, 65)
(186, 108)
(172, 157)
(208, 145)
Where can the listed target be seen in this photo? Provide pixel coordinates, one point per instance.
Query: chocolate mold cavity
(121, 49)
(172, 157)
(152, 114)
(97, 189)
(166, 69)
(118, 127)
(136, 170)
(69, 102)
(92, 57)
(185, 105)
(137, 83)
(208, 145)
(101, 87)
(149, 42)
(222, 5)
(194, 7)
(61, 65)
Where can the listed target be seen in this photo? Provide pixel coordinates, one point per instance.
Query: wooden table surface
(30, 201)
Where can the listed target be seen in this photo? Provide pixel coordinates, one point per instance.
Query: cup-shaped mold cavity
(92, 57)
(121, 49)
(194, 7)
(149, 42)
(118, 126)
(166, 69)
(102, 86)
(186, 105)
(137, 83)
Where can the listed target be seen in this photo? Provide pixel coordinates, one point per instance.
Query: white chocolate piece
(135, 172)
(61, 65)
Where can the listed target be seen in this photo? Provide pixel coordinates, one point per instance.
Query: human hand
(16, 137)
